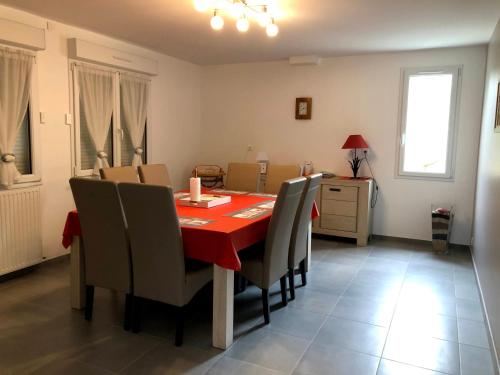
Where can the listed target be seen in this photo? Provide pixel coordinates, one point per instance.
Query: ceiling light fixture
(217, 22)
(243, 10)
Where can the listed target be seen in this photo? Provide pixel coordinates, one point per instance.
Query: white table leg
(223, 309)
(308, 257)
(77, 277)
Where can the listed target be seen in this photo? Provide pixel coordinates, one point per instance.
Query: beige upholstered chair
(160, 271)
(243, 176)
(119, 174)
(276, 174)
(298, 242)
(154, 174)
(266, 263)
(105, 239)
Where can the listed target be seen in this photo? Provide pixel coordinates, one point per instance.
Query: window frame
(34, 178)
(117, 131)
(456, 72)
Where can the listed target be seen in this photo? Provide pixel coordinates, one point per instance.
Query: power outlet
(68, 119)
(250, 148)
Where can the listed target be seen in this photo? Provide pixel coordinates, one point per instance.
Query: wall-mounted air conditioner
(85, 51)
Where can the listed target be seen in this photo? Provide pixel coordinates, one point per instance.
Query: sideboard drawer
(342, 208)
(336, 222)
(340, 193)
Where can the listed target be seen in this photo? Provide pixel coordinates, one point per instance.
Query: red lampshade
(355, 141)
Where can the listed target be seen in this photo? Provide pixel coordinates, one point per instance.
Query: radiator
(20, 229)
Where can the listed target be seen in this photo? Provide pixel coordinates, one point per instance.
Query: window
(118, 145)
(427, 135)
(18, 75)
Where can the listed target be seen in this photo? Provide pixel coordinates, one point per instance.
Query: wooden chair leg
(291, 283)
(302, 267)
(136, 314)
(284, 298)
(129, 302)
(265, 305)
(89, 301)
(179, 325)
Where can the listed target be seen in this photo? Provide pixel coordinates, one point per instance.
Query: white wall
(253, 104)
(175, 122)
(487, 214)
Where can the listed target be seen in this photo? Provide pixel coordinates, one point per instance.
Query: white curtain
(15, 80)
(134, 102)
(96, 90)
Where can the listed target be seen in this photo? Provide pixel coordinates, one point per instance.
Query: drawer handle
(335, 189)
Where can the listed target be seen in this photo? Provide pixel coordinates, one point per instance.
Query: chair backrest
(280, 230)
(154, 174)
(243, 176)
(276, 174)
(156, 242)
(104, 234)
(119, 174)
(298, 242)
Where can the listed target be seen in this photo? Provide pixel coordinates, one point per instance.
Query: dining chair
(276, 174)
(298, 242)
(154, 174)
(267, 262)
(105, 240)
(161, 273)
(119, 174)
(243, 176)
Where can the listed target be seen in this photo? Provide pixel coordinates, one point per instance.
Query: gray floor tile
(296, 322)
(387, 367)
(308, 299)
(392, 253)
(386, 293)
(475, 361)
(471, 310)
(269, 349)
(348, 334)
(387, 266)
(364, 310)
(467, 291)
(169, 359)
(433, 274)
(320, 360)
(473, 333)
(427, 304)
(66, 366)
(119, 349)
(430, 353)
(416, 324)
(228, 366)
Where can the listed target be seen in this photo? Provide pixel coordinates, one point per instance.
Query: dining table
(214, 235)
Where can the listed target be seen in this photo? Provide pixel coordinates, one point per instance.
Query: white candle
(195, 189)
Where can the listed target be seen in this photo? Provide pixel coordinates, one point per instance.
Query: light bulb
(242, 24)
(217, 22)
(201, 5)
(272, 30)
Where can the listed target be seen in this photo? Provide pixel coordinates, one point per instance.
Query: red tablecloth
(216, 242)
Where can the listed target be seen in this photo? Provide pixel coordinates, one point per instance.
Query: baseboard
(496, 358)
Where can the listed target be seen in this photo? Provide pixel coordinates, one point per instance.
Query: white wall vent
(20, 35)
(85, 51)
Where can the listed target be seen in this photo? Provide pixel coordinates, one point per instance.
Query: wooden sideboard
(345, 208)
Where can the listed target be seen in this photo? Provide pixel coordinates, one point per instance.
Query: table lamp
(354, 142)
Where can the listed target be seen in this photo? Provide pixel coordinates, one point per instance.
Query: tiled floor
(390, 308)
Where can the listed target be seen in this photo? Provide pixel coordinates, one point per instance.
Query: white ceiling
(321, 27)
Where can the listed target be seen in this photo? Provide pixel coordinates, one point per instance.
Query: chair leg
(89, 301)
(129, 307)
(265, 305)
(291, 283)
(136, 314)
(179, 325)
(284, 298)
(302, 267)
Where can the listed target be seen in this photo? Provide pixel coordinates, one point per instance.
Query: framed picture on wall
(303, 108)
(497, 113)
